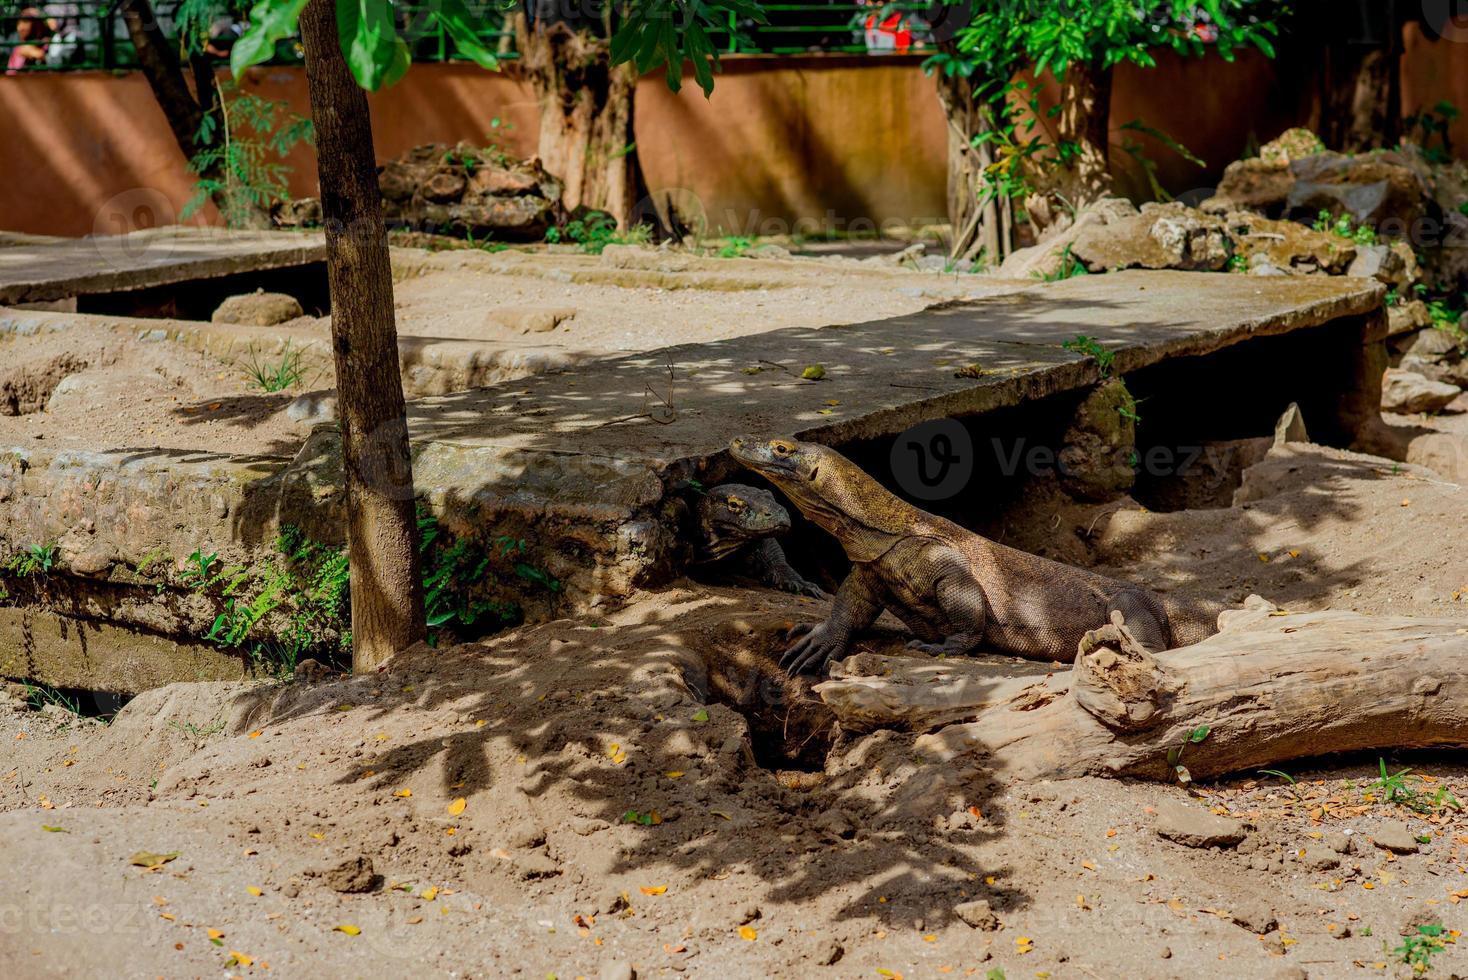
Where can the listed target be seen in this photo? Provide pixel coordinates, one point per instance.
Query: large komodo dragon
(735, 532)
(954, 589)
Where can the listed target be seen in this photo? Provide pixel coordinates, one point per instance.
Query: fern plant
(241, 168)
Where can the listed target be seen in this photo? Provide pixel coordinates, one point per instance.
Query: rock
(1375, 189)
(1431, 343)
(1395, 836)
(1254, 914)
(351, 877)
(618, 970)
(1287, 245)
(830, 953)
(1290, 427)
(1289, 146)
(770, 250)
(469, 190)
(1379, 262)
(1339, 841)
(1160, 236)
(643, 257)
(1407, 393)
(536, 864)
(1044, 261)
(1320, 858)
(258, 309)
(1094, 461)
(1195, 827)
(1406, 317)
(310, 671)
(977, 914)
(313, 407)
(531, 319)
(836, 823)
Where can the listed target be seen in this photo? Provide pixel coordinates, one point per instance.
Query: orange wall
(819, 139)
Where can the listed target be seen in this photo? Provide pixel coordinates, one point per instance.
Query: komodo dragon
(954, 589)
(736, 529)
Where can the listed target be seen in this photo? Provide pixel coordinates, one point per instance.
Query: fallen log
(1271, 686)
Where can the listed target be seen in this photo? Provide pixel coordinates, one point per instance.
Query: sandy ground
(504, 796)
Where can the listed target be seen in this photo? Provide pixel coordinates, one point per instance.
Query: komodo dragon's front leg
(954, 602)
(857, 606)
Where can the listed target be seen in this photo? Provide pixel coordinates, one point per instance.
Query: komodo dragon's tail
(1192, 619)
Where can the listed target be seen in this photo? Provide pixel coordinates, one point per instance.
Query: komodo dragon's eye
(735, 504)
(782, 448)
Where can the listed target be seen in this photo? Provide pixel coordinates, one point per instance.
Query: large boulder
(1263, 183)
(1159, 236)
(1047, 259)
(1409, 393)
(1288, 245)
(258, 309)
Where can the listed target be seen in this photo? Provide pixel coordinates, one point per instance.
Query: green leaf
(54, 830)
(455, 18)
(270, 21)
(702, 714)
(1198, 734)
(370, 42)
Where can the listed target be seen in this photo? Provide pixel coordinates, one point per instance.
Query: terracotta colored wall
(805, 142)
(1436, 70)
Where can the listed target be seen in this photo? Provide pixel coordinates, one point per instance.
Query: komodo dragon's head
(833, 492)
(732, 514)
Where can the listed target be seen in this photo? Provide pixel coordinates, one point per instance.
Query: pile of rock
(460, 190)
(1261, 221)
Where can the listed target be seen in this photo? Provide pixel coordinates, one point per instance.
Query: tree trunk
(1270, 687)
(586, 114)
(158, 58)
(1083, 126)
(1358, 112)
(973, 216)
(382, 528)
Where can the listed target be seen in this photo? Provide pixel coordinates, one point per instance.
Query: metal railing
(90, 34)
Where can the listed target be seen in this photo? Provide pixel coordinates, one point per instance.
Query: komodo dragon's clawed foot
(952, 646)
(812, 651)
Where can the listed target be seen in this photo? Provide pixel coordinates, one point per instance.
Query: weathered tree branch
(1270, 687)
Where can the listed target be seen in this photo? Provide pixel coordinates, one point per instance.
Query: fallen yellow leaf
(349, 930)
(257, 733)
(429, 893)
(653, 889)
(236, 958)
(457, 807)
(403, 793)
(215, 933)
(253, 890)
(748, 932)
(150, 861)
(675, 774)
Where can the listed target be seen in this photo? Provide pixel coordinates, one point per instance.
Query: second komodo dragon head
(732, 515)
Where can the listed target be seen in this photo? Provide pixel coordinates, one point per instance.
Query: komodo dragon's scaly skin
(737, 527)
(954, 589)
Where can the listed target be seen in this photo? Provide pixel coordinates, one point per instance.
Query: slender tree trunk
(158, 58)
(1084, 125)
(973, 218)
(586, 114)
(382, 529)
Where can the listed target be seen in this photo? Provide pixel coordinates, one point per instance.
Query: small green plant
(1432, 124)
(198, 732)
(1069, 268)
(596, 231)
(1400, 788)
(1344, 227)
(1418, 949)
(1175, 754)
(38, 559)
(736, 247)
(241, 168)
(39, 696)
(1238, 263)
(277, 375)
(1279, 774)
(1128, 407)
(1091, 347)
(485, 244)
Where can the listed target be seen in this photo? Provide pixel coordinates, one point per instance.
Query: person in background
(65, 45)
(889, 34)
(34, 35)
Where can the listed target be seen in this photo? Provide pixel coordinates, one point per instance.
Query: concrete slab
(42, 270)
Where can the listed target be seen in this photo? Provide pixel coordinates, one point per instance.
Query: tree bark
(1083, 126)
(1270, 687)
(161, 67)
(382, 528)
(586, 114)
(975, 221)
